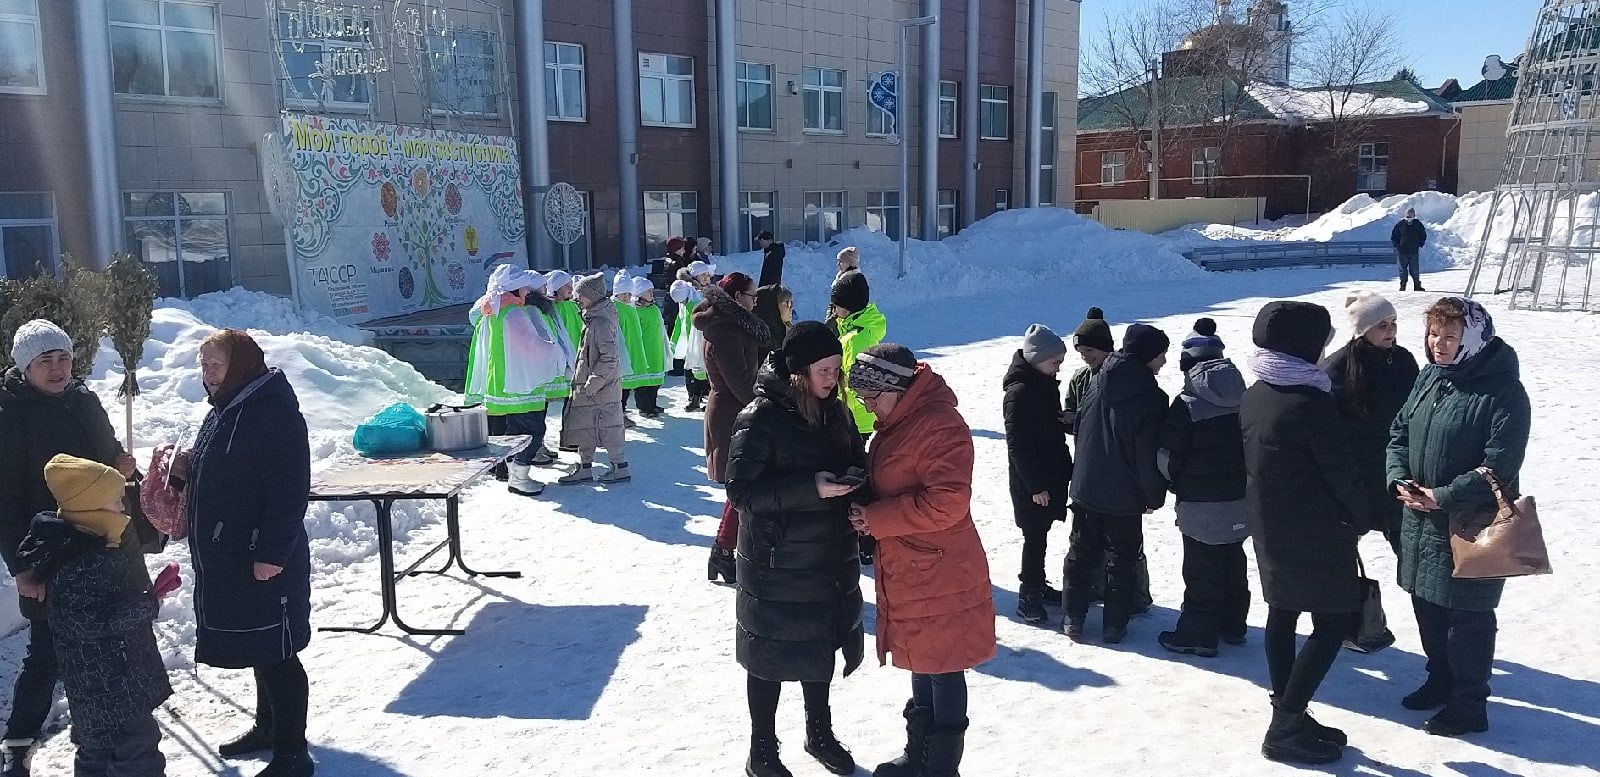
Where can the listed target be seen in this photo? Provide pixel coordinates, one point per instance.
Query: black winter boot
(295, 764)
(259, 737)
(722, 565)
(18, 755)
(1458, 720)
(918, 721)
(944, 750)
(1326, 733)
(764, 761)
(1432, 695)
(1052, 595)
(1072, 625)
(823, 746)
(1290, 740)
(1030, 605)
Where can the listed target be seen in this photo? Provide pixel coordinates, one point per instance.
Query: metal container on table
(455, 428)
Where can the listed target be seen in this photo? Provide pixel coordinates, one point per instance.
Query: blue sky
(1442, 38)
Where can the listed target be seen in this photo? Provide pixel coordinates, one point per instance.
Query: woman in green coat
(1467, 410)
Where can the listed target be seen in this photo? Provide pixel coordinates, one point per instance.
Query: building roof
(1501, 89)
(1259, 101)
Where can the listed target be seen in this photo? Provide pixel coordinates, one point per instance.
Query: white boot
(519, 483)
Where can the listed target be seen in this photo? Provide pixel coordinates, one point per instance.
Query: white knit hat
(37, 338)
(680, 291)
(697, 269)
(1366, 310)
(622, 283)
(641, 285)
(556, 279)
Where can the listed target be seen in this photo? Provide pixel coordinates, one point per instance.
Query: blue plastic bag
(395, 431)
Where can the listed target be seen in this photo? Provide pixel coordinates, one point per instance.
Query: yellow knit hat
(80, 484)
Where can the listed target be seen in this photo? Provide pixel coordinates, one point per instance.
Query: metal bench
(1269, 254)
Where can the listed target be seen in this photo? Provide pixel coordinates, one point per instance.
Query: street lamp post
(902, 86)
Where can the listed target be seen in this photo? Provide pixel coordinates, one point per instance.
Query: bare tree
(1355, 48)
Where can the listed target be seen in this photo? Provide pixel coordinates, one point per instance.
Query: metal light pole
(1155, 130)
(901, 87)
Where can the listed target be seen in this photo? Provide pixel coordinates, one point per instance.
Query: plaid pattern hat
(884, 367)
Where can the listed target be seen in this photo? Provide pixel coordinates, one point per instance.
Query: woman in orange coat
(935, 607)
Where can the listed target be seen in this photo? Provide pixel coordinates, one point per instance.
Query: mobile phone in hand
(851, 478)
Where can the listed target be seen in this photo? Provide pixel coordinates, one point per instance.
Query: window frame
(1002, 200)
(555, 66)
(743, 82)
(35, 21)
(954, 100)
(653, 249)
(166, 67)
(177, 218)
(1368, 150)
(493, 48)
(984, 102)
(51, 221)
(821, 91)
(1049, 127)
(1203, 164)
(665, 78)
(948, 217)
(747, 216)
(888, 215)
(821, 208)
(1118, 168)
(287, 83)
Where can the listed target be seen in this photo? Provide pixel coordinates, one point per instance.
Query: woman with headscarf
(935, 606)
(248, 477)
(733, 340)
(1468, 412)
(789, 475)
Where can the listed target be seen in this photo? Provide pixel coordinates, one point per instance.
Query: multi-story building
(138, 124)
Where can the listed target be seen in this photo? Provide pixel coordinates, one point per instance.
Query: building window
(666, 90)
(183, 238)
(1372, 168)
(1002, 200)
(311, 66)
(21, 47)
(1203, 163)
(27, 234)
(879, 121)
(949, 202)
(949, 109)
(758, 212)
(824, 97)
(668, 215)
(1047, 151)
(883, 213)
(463, 73)
(994, 121)
(754, 96)
(563, 82)
(164, 48)
(824, 215)
(1113, 167)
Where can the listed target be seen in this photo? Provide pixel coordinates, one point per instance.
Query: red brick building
(1395, 138)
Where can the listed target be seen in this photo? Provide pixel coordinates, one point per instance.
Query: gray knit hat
(1040, 345)
(884, 367)
(591, 286)
(37, 338)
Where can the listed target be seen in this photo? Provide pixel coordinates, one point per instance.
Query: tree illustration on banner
(425, 233)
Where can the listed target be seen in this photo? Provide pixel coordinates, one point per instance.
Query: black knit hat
(1094, 332)
(807, 343)
(850, 291)
(1300, 329)
(1202, 345)
(1144, 343)
(885, 367)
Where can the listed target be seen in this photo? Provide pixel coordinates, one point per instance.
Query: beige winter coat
(593, 416)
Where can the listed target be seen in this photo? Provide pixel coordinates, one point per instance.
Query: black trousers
(945, 694)
(644, 398)
(1118, 542)
(1460, 649)
(36, 684)
(1410, 264)
(1296, 676)
(534, 424)
(762, 696)
(1216, 592)
(282, 698)
(136, 753)
(1035, 543)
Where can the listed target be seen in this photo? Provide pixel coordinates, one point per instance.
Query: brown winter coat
(593, 416)
(734, 338)
(935, 606)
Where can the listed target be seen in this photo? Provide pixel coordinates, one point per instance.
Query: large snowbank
(1012, 249)
(1304, 105)
(237, 308)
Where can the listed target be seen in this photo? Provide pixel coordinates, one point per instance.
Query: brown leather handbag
(1498, 541)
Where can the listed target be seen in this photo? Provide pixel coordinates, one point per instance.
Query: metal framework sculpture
(1540, 236)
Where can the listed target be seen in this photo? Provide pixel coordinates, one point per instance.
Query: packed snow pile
(1012, 249)
(1309, 105)
(237, 308)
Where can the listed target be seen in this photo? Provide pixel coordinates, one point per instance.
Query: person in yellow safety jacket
(632, 351)
(655, 352)
(546, 309)
(689, 343)
(861, 326)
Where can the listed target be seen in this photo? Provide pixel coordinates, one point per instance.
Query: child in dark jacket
(1041, 465)
(1202, 457)
(101, 608)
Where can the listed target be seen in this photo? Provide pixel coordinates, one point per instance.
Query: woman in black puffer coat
(1372, 376)
(799, 573)
(248, 478)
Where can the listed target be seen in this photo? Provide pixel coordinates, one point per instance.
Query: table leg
(453, 527)
(386, 564)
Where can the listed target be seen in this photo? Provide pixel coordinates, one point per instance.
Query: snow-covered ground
(613, 655)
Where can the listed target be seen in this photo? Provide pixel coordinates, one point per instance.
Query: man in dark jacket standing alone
(1408, 238)
(1115, 480)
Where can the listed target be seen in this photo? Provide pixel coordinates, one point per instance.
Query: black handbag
(1372, 632)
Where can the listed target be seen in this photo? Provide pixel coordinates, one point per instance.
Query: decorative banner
(392, 219)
